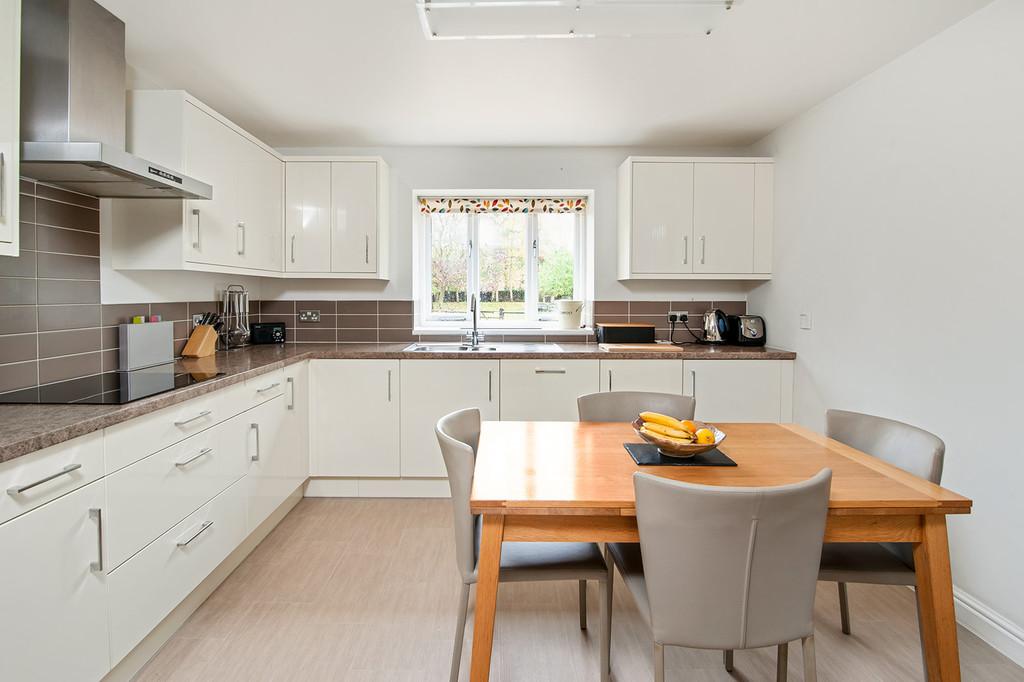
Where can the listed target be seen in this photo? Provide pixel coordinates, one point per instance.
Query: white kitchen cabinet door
(308, 216)
(658, 376)
(10, 73)
(53, 594)
(354, 216)
(354, 418)
(432, 389)
(740, 390)
(260, 210)
(662, 220)
(545, 390)
(295, 429)
(723, 218)
(212, 154)
(270, 479)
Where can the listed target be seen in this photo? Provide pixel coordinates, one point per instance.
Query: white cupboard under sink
(658, 376)
(545, 390)
(54, 591)
(695, 218)
(430, 390)
(355, 418)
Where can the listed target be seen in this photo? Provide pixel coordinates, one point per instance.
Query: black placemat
(645, 454)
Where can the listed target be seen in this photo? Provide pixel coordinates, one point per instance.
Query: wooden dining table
(573, 482)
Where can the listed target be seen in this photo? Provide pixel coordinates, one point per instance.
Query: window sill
(503, 331)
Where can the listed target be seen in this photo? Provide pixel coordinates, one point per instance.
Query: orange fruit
(689, 426)
(705, 437)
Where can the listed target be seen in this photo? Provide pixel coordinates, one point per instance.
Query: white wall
(900, 228)
(416, 168)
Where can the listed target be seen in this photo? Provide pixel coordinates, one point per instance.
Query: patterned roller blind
(502, 204)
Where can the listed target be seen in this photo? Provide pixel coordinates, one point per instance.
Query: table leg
(488, 566)
(935, 599)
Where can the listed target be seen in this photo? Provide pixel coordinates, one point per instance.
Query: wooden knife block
(202, 343)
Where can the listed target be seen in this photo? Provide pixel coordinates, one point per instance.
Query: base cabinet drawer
(147, 587)
(53, 592)
(545, 390)
(30, 481)
(152, 495)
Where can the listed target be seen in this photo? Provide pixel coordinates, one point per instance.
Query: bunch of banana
(677, 430)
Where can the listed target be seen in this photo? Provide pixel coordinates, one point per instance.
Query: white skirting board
(378, 487)
(1003, 635)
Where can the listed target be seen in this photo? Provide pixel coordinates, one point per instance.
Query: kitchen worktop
(27, 428)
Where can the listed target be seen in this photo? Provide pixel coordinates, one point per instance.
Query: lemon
(705, 437)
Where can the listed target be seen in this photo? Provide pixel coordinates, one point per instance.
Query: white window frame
(582, 272)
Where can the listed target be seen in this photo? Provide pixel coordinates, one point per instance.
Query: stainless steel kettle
(715, 326)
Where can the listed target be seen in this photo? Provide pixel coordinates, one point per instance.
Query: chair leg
(606, 628)
(844, 608)
(659, 663)
(782, 663)
(583, 605)
(727, 660)
(460, 633)
(810, 665)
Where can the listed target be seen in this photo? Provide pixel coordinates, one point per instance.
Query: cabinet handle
(97, 566)
(185, 463)
(256, 427)
(609, 381)
(3, 186)
(203, 527)
(702, 249)
(267, 388)
(490, 384)
(367, 256)
(293, 248)
(241, 235)
(18, 489)
(389, 385)
(185, 422)
(196, 243)
(693, 383)
(686, 249)
(291, 393)
(548, 371)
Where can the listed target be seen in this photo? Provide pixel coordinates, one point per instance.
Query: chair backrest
(731, 568)
(458, 434)
(902, 445)
(624, 406)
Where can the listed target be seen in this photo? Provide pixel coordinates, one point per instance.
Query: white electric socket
(805, 320)
(681, 315)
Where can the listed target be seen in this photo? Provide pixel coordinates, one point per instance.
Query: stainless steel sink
(484, 348)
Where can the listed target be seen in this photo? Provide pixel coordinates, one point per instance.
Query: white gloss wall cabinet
(337, 217)
(740, 390)
(54, 591)
(240, 230)
(430, 390)
(658, 376)
(545, 390)
(10, 76)
(695, 218)
(354, 418)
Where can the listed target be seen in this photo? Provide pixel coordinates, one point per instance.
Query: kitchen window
(518, 255)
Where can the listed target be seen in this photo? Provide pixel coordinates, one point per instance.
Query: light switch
(805, 320)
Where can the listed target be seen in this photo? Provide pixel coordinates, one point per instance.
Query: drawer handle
(97, 566)
(185, 422)
(204, 451)
(549, 371)
(202, 529)
(267, 388)
(18, 489)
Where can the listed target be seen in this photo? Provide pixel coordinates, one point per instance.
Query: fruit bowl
(671, 448)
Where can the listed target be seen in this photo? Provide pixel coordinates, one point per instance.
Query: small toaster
(750, 330)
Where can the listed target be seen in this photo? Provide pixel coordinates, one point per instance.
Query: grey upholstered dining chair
(458, 434)
(912, 449)
(726, 568)
(624, 406)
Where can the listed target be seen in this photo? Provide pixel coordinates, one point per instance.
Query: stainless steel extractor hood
(73, 106)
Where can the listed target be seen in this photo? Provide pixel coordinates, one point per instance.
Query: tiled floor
(361, 590)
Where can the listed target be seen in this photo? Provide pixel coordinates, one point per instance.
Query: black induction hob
(108, 388)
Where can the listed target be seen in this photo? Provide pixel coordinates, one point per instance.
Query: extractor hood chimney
(73, 106)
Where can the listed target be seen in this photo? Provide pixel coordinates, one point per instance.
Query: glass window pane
(449, 266)
(502, 256)
(556, 260)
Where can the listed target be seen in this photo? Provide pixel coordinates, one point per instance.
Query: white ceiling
(360, 72)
